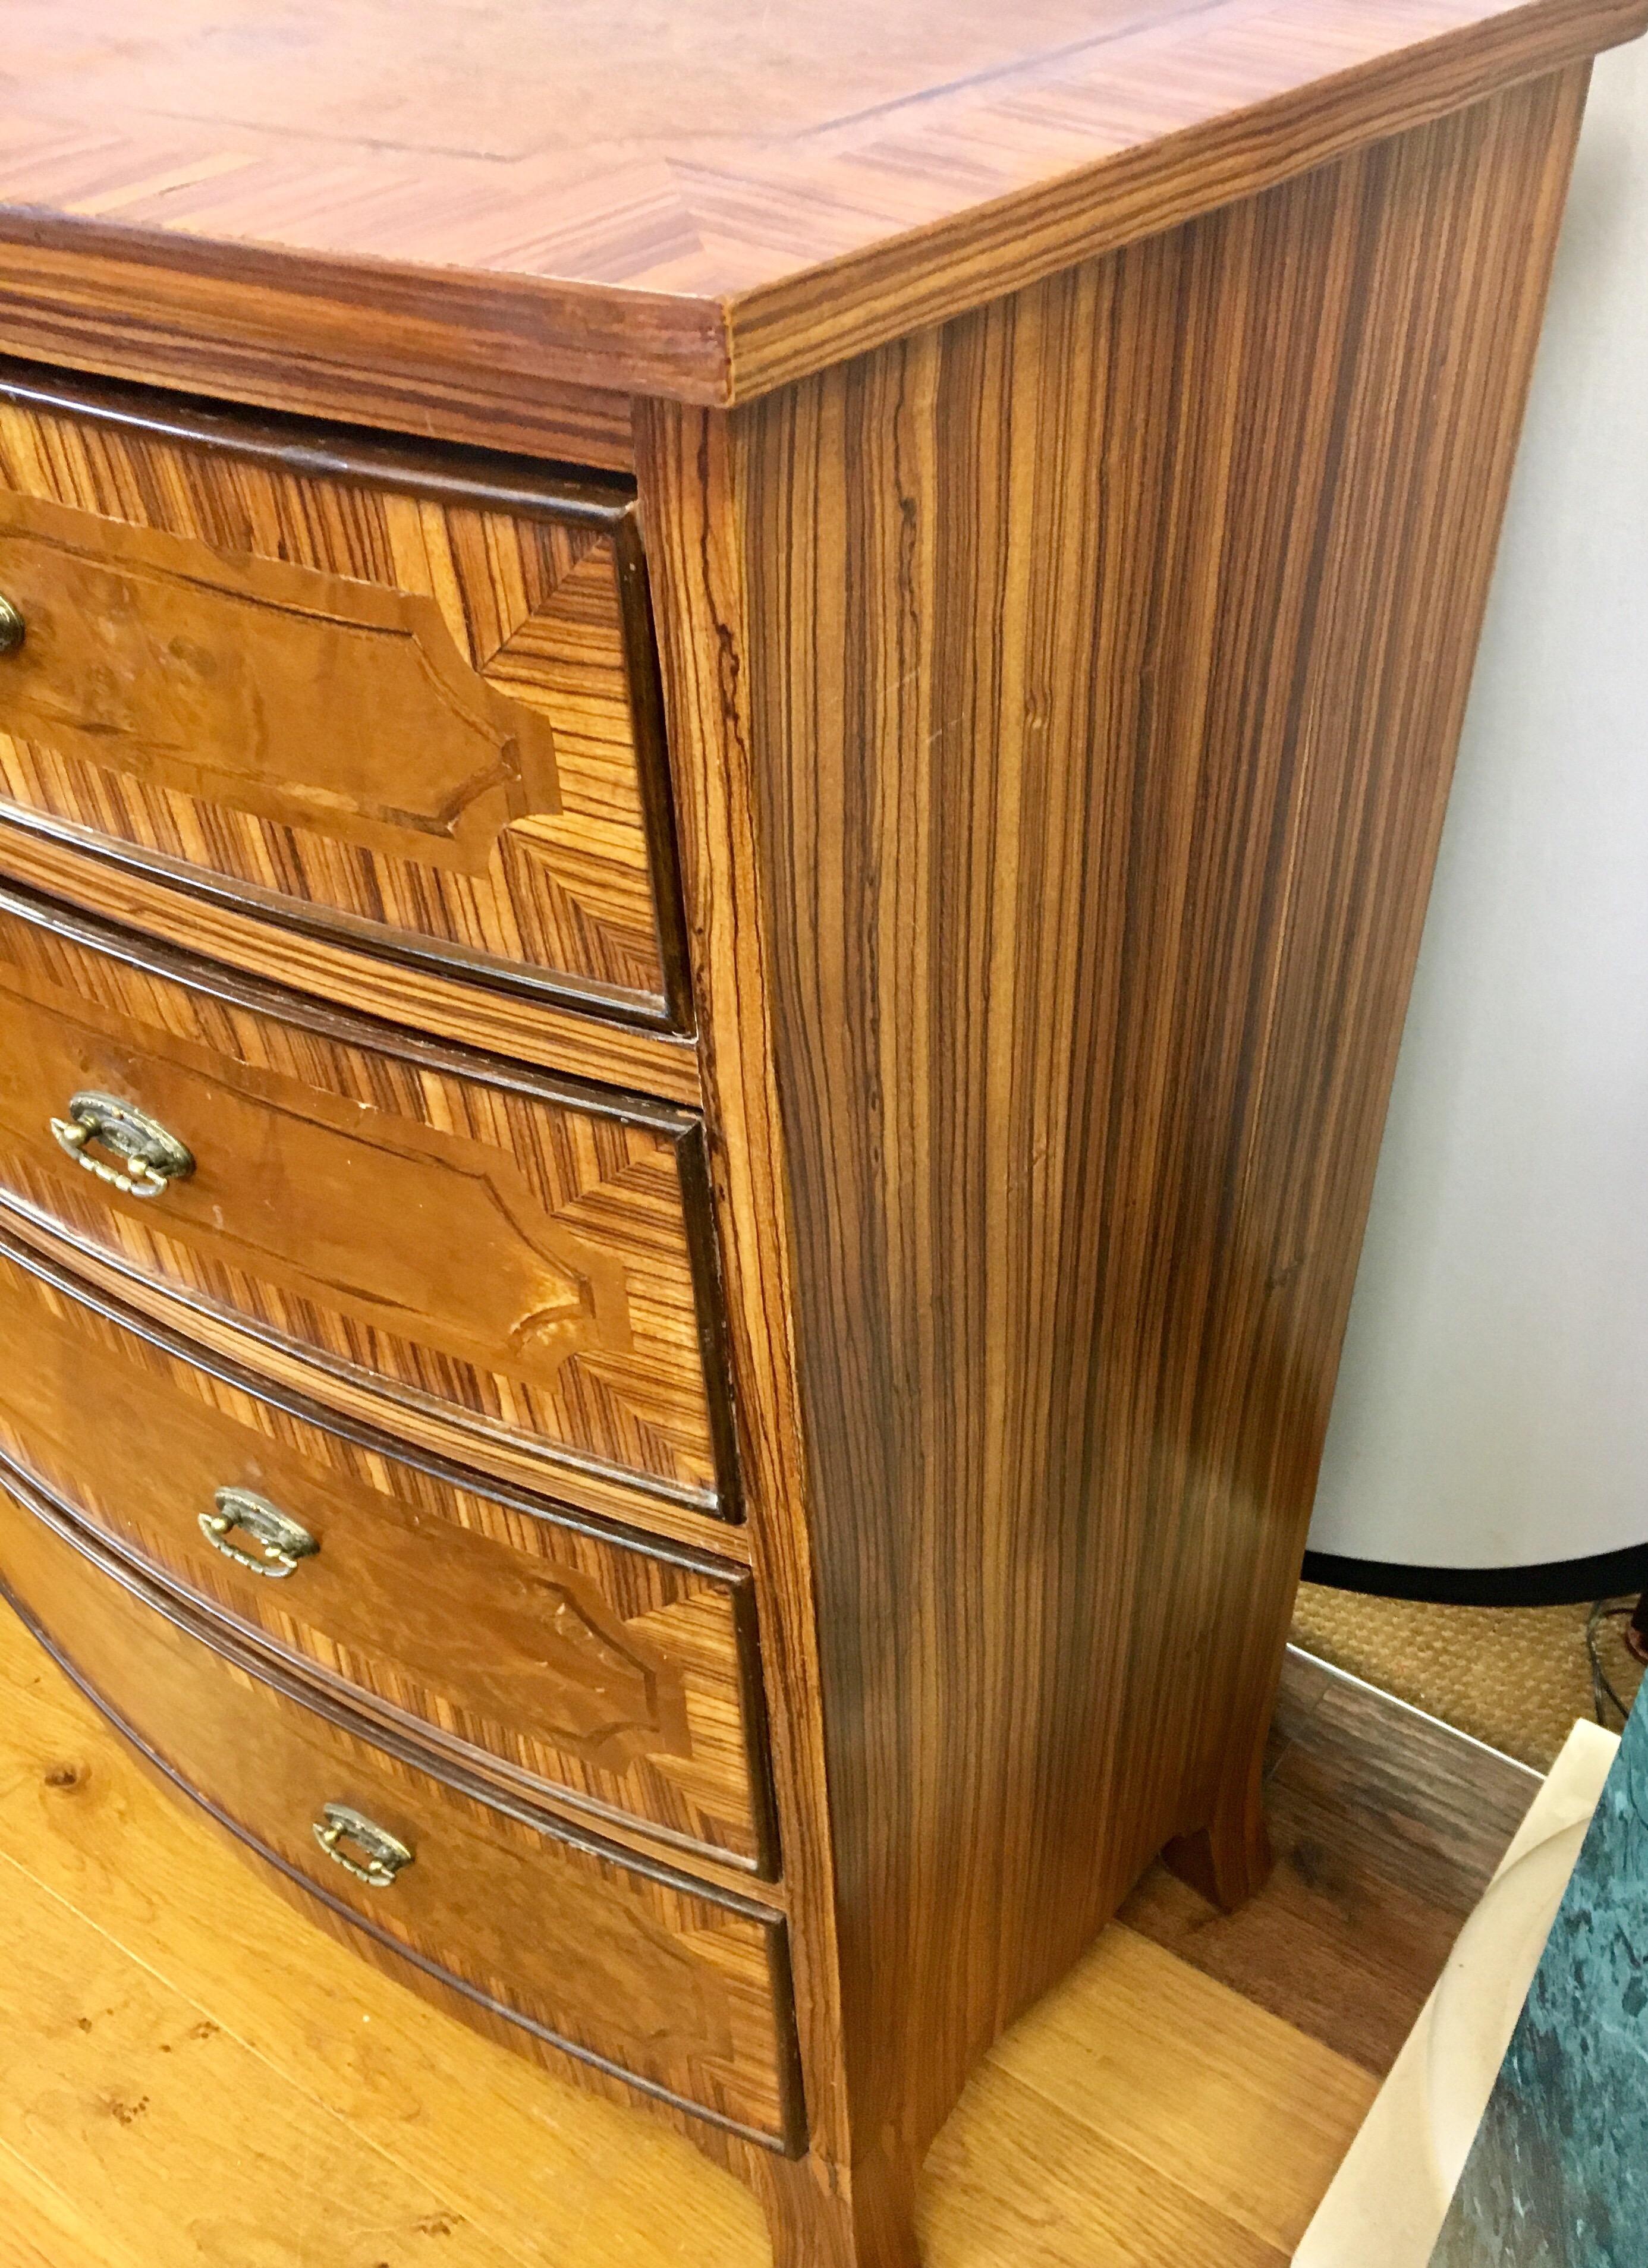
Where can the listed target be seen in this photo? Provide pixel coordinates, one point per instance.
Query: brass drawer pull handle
(10, 627)
(384, 1854)
(150, 1156)
(283, 1541)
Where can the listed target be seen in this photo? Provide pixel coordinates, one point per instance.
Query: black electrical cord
(1602, 1690)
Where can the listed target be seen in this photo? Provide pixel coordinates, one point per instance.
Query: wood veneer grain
(336, 218)
(690, 499)
(1079, 2140)
(1087, 674)
(521, 1268)
(1066, 633)
(92, 306)
(530, 1030)
(585, 1666)
(563, 1943)
(404, 702)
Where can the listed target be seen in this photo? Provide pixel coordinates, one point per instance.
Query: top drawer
(405, 702)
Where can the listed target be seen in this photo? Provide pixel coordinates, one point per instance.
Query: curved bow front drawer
(405, 702)
(554, 1941)
(572, 1661)
(511, 1265)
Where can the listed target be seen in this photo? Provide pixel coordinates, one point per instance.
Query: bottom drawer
(679, 1989)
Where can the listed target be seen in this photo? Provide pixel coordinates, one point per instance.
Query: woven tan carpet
(1514, 1676)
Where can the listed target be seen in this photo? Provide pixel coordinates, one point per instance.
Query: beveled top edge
(708, 268)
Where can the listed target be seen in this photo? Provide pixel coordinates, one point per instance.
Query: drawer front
(511, 1259)
(603, 1672)
(547, 1937)
(404, 703)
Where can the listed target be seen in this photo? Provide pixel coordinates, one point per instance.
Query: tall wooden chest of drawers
(720, 741)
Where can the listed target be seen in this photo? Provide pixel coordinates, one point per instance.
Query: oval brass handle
(10, 627)
(284, 1542)
(386, 1854)
(150, 1156)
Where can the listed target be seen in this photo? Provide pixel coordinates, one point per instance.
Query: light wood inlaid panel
(388, 700)
(558, 1940)
(575, 1662)
(408, 208)
(513, 1260)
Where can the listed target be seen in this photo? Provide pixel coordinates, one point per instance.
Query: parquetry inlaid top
(693, 197)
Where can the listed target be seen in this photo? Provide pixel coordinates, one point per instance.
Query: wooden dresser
(721, 734)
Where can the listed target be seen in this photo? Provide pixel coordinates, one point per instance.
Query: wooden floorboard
(189, 2076)
(164, 2129)
(1386, 1827)
(40, 2228)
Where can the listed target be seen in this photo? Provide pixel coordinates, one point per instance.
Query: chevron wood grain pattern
(686, 1999)
(372, 699)
(376, 210)
(514, 1262)
(580, 1666)
(530, 1030)
(1087, 674)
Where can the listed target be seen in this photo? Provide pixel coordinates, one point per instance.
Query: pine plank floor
(192, 2078)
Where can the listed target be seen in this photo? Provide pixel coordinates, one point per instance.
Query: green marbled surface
(1558, 2174)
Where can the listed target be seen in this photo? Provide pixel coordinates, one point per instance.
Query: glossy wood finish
(404, 703)
(511, 1262)
(530, 1029)
(1071, 461)
(555, 1936)
(1087, 674)
(579, 1665)
(458, 200)
(281, 692)
(80, 308)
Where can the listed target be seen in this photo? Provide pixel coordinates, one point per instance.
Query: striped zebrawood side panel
(547, 608)
(1099, 662)
(469, 1244)
(584, 1664)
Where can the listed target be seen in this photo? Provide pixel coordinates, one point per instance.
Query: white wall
(1492, 1409)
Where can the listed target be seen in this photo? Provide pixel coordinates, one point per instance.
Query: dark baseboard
(1553, 1583)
